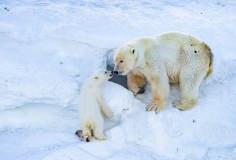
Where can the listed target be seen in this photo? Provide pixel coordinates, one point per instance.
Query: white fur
(92, 108)
(170, 57)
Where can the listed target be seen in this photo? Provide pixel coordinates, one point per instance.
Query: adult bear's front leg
(135, 81)
(160, 93)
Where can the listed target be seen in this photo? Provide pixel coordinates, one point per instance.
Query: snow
(115, 100)
(45, 70)
(48, 48)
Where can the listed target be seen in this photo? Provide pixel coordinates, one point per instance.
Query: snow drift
(47, 49)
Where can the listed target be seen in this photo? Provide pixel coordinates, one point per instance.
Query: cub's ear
(114, 50)
(96, 78)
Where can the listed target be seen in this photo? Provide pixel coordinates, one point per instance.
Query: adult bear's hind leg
(189, 86)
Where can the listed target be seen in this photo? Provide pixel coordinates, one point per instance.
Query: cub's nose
(111, 74)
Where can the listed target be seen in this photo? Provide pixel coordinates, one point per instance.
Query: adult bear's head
(124, 59)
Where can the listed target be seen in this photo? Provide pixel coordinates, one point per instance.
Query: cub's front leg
(106, 111)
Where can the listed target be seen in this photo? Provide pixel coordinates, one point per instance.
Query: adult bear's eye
(121, 61)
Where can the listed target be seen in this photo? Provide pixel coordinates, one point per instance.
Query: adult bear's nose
(114, 72)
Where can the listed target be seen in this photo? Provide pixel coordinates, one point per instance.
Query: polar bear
(171, 57)
(92, 108)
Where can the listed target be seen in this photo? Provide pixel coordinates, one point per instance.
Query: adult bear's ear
(134, 51)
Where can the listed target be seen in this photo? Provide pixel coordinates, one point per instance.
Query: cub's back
(88, 101)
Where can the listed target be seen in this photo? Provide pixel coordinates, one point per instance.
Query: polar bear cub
(92, 108)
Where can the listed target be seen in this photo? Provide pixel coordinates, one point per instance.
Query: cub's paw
(101, 137)
(109, 113)
(153, 107)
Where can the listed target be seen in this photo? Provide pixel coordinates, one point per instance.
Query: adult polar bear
(171, 57)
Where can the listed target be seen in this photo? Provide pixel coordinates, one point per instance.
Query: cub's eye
(106, 72)
(121, 61)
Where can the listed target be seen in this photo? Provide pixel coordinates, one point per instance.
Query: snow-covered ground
(48, 48)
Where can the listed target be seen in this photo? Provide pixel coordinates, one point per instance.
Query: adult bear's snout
(117, 72)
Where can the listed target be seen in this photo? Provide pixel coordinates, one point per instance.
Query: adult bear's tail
(210, 70)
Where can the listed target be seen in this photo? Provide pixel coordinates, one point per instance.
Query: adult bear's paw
(153, 107)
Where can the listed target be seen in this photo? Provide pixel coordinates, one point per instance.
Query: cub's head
(101, 76)
(124, 59)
